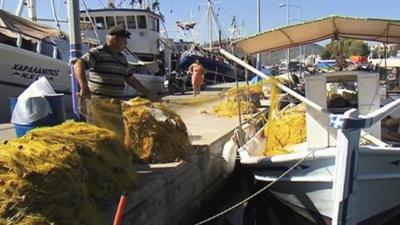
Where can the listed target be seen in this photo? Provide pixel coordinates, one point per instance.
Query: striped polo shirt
(107, 71)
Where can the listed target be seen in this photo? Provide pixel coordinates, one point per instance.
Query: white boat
(332, 178)
(30, 49)
(143, 22)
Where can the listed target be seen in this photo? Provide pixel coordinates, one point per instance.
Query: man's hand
(85, 92)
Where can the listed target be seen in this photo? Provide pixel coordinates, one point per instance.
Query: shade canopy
(381, 30)
(11, 25)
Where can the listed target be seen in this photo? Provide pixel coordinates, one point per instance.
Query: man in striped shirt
(99, 97)
(108, 68)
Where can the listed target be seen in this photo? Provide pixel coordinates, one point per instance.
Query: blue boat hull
(216, 71)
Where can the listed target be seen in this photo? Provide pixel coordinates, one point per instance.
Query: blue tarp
(256, 79)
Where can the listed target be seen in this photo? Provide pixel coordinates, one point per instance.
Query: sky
(244, 10)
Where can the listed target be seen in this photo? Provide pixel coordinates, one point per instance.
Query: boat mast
(209, 9)
(258, 62)
(32, 10)
(20, 7)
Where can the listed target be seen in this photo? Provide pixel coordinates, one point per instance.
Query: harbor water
(264, 209)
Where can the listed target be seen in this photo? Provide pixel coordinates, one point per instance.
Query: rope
(90, 19)
(256, 193)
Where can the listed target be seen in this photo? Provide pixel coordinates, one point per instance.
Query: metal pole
(75, 48)
(2, 4)
(20, 8)
(288, 23)
(258, 63)
(238, 98)
(32, 10)
(209, 24)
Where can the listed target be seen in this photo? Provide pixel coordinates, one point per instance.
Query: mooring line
(256, 193)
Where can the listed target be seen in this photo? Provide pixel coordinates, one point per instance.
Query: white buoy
(229, 156)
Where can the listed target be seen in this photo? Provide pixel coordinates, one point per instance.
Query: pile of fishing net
(244, 91)
(55, 175)
(106, 113)
(230, 108)
(285, 127)
(248, 97)
(154, 133)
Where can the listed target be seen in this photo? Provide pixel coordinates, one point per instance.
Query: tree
(329, 51)
(349, 47)
(357, 47)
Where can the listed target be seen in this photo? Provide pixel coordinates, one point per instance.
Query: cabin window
(87, 19)
(82, 18)
(157, 24)
(131, 22)
(152, 23)
(110, 21)
(179, 48)
(120, 20)
(141, 22)
(100, 24)
(185, 47)
(86, 25)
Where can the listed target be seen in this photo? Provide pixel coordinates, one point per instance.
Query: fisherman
(197, 72)
(109, 69)
(108, 72)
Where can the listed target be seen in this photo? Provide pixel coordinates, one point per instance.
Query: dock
(173, 193)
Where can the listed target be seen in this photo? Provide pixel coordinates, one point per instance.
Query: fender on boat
(229, 157)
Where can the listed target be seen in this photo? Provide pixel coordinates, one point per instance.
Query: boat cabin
(144, 25)
(363, 86)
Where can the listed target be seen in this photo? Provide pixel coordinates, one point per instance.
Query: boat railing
(336, 121)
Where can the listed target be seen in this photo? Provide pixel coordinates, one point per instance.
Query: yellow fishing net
(230, 108)
(106, 113)
(244, 91)
(245, 94)
(285, 127)
(55, 175)
(154, 133)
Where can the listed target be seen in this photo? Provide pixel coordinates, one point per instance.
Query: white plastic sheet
(32, 104)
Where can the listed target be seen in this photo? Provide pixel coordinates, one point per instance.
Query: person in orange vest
(197, 72)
